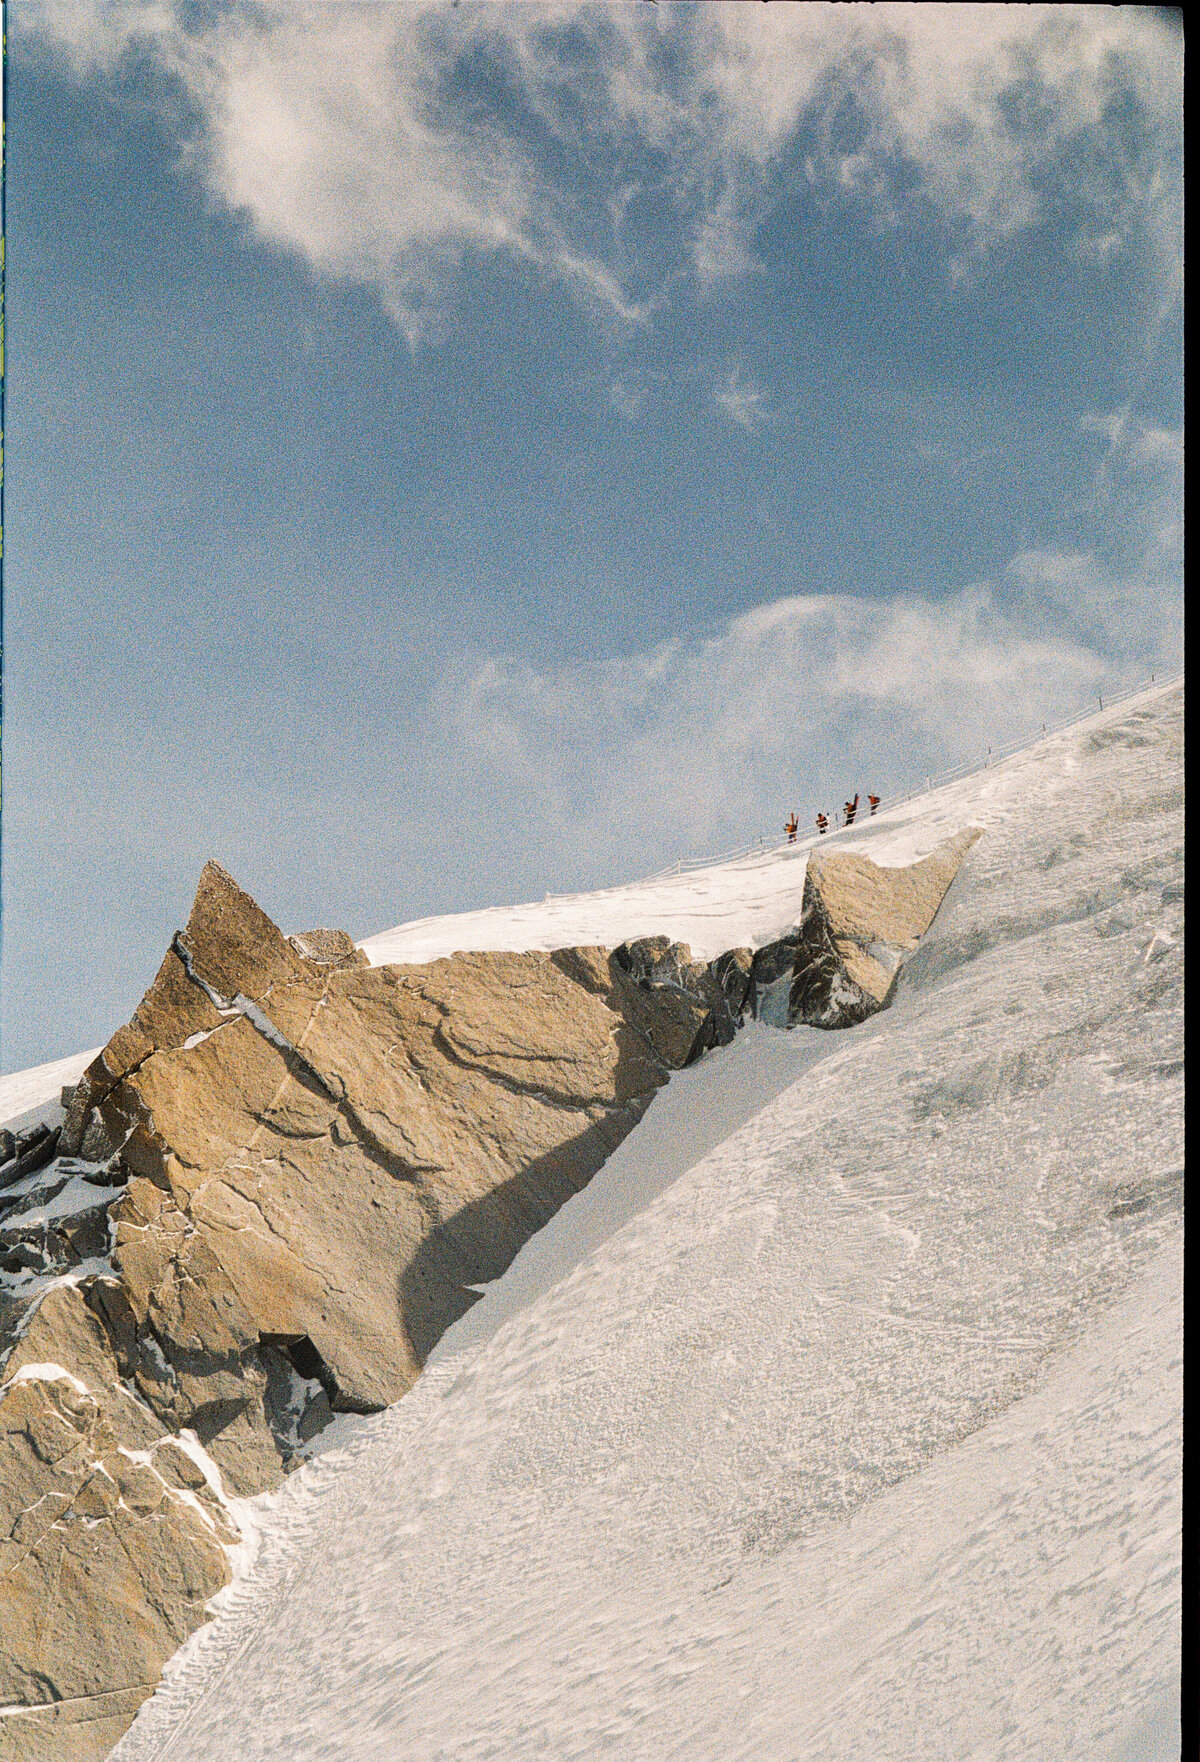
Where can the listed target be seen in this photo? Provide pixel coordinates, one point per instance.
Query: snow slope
(744, 902)
(29, 1097)
(840, 1416)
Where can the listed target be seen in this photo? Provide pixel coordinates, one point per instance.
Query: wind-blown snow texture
(859, 1437)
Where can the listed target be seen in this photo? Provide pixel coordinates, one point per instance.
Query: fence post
(964, 771)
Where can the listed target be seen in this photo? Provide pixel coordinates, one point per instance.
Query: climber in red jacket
(873, 802)
(822, 823)
(851, 809)
(791, 828)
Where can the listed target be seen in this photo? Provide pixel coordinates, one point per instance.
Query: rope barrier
(954, 774)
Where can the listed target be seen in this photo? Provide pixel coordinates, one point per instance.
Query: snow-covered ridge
(839, 1417)
(25, 1096)
(747, 901)
(752, 899)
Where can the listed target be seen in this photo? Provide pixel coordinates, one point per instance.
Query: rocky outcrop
(858, 921)
(23, 1155)
(314, 1162)
(321, 1158)
(274, 1189)
(111, 1543)
(682, 1006)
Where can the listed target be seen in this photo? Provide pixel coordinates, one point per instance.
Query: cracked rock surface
(858, 923)
(314, 1162)
(274, 1190)
(320, 1151)
(110, 1545)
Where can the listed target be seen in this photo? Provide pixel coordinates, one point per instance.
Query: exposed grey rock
(732, 971)
(686, 1012)
(61, 1242)
(30, 1152)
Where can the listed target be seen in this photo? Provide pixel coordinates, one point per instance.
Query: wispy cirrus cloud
(693, 743)
(620, 148)
(745, 403)
(694, 746)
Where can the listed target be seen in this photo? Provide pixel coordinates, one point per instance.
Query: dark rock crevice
(28, 1153)
(564, 1100)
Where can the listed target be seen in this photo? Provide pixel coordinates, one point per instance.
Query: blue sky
(457, 453)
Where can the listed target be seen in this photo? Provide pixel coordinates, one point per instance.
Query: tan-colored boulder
(870, 903)
(231, 944)
(317, 1161)
(80, 1730)
(858, 920)
(322, 1158)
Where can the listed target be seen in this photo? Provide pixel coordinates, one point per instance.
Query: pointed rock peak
(230, 942)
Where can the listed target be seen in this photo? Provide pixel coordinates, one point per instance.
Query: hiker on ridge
(873, 802)
(822, 823)
(791, 828)
(851, 809)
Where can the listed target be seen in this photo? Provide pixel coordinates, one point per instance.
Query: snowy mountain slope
(1020, 1598)
(28, 1097)
(747, 900)
(857, 1437)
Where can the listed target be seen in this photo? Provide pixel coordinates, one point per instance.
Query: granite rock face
(322, 1157)
(858, 921)
(289, 1169)
(274, 1190)
(111, 1540)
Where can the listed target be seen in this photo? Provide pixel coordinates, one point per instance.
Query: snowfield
(745, 902)
(29, 1097)
(840, 1417)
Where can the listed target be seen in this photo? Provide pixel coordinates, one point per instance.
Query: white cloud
(694, 745)
(97, 34)
(343, 132)
(744, 403)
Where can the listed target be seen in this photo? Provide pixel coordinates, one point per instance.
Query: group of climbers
(792, 825)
